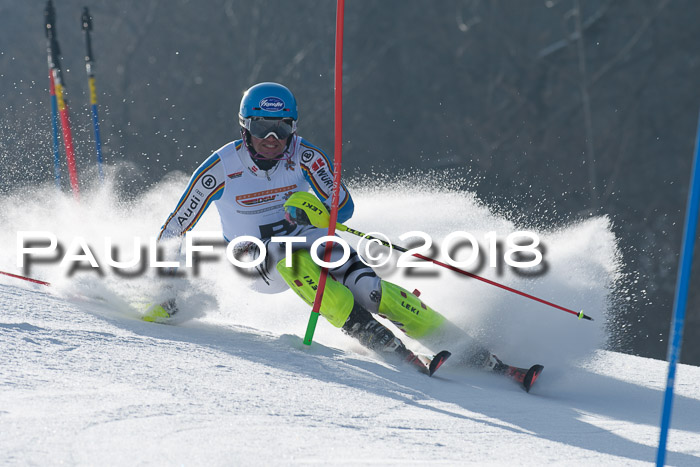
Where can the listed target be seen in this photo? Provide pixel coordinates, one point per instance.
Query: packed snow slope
(84, 381)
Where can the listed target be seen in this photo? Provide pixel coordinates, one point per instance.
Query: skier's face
(269, 147)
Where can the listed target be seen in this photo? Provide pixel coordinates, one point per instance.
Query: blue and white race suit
(250, 201)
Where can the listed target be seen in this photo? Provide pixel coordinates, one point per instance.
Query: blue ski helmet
(267, 101)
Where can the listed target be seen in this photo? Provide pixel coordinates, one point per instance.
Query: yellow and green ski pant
(347, 284)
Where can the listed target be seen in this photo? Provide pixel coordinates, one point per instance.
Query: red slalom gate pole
(337, 160)
(67, 133)
(55, 70)
(28, 279)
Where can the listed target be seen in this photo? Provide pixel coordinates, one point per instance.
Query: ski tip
(532, 374)
(437, 361)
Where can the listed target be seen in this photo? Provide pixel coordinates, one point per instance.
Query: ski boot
(525, 376)
(375, 336)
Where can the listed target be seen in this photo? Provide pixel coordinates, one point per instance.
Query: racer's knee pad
(303, 277)
(407, 312)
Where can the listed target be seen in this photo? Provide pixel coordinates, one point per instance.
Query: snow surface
(84, 381)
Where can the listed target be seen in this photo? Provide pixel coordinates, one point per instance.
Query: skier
(250, 180)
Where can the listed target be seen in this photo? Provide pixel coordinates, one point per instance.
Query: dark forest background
(555, 110)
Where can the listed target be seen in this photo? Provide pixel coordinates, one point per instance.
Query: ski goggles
(261, 128)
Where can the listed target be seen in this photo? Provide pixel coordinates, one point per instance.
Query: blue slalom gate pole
(98, 144)
(681, 298)
(86, 20)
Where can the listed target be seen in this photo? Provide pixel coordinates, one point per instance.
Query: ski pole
(344, 228)
(56, 73)
(89, 59)
(28, 279)
(317, 215)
